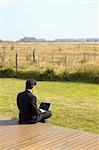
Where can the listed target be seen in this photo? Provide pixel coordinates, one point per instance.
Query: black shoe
(44, 121)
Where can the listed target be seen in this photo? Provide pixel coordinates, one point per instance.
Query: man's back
(26, 103)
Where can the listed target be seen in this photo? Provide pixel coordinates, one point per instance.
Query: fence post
(84, 57)
(85, 62)
(94, 56)
(34, 56)
(16, 64)
(38, 62)
(66, 66)
(52, 59)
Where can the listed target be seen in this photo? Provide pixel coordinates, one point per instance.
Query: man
(27, 105)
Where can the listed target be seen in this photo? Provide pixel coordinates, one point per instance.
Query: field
(74, 105)
(60, 56)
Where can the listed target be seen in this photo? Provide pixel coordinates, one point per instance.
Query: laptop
(44, 106)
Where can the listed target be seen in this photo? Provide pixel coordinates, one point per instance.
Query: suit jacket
(27, 104)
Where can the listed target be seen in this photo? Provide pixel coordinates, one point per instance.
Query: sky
(49, 19)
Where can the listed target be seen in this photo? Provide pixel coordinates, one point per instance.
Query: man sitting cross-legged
(27, 105)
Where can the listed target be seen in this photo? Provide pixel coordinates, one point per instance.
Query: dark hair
(30, 84)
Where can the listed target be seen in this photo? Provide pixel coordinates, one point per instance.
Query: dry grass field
(57, 55)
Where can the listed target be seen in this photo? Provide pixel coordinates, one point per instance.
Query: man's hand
(42, 110)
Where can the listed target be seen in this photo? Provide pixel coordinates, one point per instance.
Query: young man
(27, 105)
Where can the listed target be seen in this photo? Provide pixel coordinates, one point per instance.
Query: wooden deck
(42, 136)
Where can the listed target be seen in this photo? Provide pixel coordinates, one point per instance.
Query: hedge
(51, 75)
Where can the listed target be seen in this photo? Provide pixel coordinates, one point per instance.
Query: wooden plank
(23, 135)
(42, 136)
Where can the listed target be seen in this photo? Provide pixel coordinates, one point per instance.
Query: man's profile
(27, 105)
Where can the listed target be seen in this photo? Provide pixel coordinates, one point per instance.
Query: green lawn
(74, 105)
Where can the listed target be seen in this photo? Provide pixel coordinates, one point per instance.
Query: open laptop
(44, 106)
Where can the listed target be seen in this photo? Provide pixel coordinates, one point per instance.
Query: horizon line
(35, 39)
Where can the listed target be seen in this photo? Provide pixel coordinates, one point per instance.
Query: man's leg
(45, 115)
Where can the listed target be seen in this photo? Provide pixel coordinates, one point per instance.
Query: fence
(59, 61)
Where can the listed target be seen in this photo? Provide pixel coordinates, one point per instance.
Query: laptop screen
(44, 105)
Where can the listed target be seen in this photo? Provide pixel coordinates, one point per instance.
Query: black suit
(28, 111)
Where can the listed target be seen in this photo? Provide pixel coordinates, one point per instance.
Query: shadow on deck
(42, 136)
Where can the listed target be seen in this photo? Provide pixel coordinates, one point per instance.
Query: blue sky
(49, 19)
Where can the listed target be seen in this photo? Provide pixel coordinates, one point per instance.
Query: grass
(74, 105)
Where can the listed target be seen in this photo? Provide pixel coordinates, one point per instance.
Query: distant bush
(86, 76)
(50, 75)
(29, 75)
(7, 73)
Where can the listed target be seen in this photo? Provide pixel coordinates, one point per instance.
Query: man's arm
(17, 100)
(34, 105)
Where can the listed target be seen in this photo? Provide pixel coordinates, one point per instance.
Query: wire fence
(58, 61)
